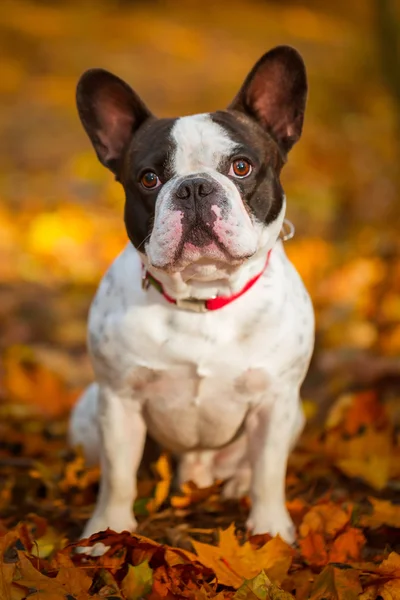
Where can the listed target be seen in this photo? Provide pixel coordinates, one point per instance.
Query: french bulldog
(201, 332)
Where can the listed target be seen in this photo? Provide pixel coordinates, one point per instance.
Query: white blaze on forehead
(200, 144)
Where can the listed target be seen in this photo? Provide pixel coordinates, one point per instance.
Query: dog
(201, 332)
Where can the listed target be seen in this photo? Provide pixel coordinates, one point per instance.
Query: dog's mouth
(205, 245)
(201, 253)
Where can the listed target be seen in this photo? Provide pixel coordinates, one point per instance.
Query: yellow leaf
(233, 563)
(163, 470)
(138, 581)
(383, 512)
(373, 469)
(261, 588)
(385, 580)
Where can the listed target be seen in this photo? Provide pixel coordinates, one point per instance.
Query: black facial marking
(261, 190)
(150, 150)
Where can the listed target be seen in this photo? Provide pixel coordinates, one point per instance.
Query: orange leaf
(193, 494)
(347, 546)
(233, 563)
(364, 410)
(325, 518)
(313, 549)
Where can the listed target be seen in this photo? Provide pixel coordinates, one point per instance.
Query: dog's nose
(193, 190)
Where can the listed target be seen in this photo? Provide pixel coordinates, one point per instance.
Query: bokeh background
(61, 212)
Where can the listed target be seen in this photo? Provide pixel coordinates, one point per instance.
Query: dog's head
(203, 192)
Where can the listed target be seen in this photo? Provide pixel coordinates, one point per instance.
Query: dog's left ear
(110, 112)
(274, 93)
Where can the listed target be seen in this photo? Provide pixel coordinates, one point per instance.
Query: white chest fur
(196, 376)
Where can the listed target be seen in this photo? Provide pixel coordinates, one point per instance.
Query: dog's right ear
(110, 112)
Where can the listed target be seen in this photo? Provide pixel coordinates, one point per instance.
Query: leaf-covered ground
(342, 488)
(61, 226)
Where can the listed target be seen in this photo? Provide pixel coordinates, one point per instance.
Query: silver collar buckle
(192, 304)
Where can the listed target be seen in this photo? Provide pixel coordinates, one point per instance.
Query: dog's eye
(150, 180)
(240, 168)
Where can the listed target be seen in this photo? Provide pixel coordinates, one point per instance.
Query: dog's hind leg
(196, 466)
(232, 465)
(84, 425)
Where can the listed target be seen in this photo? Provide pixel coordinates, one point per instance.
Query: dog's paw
(100, 522)
(98, 549)
(272, 522)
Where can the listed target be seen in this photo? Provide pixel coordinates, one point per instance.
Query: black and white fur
(219, 389)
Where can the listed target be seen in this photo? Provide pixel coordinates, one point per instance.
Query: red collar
(194, 304)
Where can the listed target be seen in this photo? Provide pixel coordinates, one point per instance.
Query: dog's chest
(196, 376)
(195, 383)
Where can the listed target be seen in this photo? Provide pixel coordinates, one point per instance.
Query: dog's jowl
(201, 332)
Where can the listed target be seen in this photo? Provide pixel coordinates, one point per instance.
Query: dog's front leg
(122, 435)
(270, 435)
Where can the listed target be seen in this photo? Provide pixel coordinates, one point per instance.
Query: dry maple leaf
(232, 563)
(383, 513)
(138, 581)
(261, 588)
(368, 455)
(336, 584)
(327, 518)
(69, 580)
(6, 568)
(347, 546)
(313, 549)
(383, 580)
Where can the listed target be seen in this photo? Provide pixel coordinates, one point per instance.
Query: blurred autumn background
(61, 213)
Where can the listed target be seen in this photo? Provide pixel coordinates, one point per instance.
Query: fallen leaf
(233, 563)
(347, 547)
(384, 581)
(313, 549)
(327, 518)
(193, 495)
(373, 469)
(261, 588)
(365, 410)
(138, 581)
(163, 471)
(383, 513)
(336, 584)
(6, 568)
(68, 581)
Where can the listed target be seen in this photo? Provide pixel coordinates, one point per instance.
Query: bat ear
(275, 93)
(110, 112)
